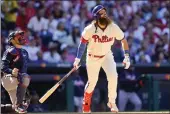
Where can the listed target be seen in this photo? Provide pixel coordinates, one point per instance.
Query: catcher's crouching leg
(27, 99)
(10, 84)
(21, 92)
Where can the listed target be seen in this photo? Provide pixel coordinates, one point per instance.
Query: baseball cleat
(113, 107)
(86, 108)
(21, 109)
(87, 102)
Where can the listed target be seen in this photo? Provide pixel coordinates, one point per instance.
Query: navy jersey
(78, 86)
(128, 81)
(14, 58)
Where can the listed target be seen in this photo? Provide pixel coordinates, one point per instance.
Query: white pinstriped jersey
(100, 42)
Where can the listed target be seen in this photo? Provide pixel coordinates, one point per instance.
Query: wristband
(126, 52)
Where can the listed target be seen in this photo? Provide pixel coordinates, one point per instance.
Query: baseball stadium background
(146, 25)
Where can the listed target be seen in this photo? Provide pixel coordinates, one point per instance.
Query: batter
(100, 36)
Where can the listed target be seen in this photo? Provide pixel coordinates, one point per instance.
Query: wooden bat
(49, 92)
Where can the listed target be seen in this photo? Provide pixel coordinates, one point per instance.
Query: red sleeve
(83, 40)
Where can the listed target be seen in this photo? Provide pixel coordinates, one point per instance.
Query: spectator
(74, 37)
(137, 29)
(66, 57)
(33, 50)
(143, 58)
(75, 19)
(52, 25)
(143, 54)
(56, 10)
(60, 33)
(132, 46)
(38, 23)
(52, 56)
(66, 5)
(158, 49)
(161, 58)
(165, 38)
(21, 16)
(10, 8)
(25, 13)
(85, 16)
(30, 10)
(46, 37)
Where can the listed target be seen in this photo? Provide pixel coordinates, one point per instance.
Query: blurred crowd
(53, 28)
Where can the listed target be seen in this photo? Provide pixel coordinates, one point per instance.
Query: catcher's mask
(17, 35)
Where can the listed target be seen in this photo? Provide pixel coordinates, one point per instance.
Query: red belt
(96, 56)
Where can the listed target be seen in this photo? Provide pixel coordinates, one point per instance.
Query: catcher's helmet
(96, 9)
(14, 34)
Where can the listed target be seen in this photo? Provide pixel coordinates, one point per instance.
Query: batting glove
(76, 63)
(126, 61)
(15, 72)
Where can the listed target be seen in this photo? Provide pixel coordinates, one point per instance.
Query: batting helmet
(96, 9)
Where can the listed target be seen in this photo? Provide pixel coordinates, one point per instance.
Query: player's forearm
(5, 68)
(125, 46)
(81, 49)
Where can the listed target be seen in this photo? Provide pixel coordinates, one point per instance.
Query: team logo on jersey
(16, 59)
(103, 39)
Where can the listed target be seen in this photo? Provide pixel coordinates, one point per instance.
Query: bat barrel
(49, 92)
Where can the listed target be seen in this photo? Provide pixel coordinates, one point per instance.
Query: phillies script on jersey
(103, 39)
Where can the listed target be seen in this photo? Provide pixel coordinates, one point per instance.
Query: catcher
(15, 79)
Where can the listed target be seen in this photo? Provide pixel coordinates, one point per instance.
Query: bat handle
(75, 68)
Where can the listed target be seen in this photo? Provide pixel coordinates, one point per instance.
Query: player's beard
(104, 21)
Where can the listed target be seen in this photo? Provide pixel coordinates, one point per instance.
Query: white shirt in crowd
(141, 57)
(60, 36)
(138, 33)
(52, 25)
(37, 25)
(70, 41)
(51, 59)
(32, 52)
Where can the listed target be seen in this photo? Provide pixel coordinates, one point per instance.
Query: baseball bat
(50, 91)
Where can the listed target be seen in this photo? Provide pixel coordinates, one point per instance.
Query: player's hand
(15, 72)
(126, 61)
(76, 63)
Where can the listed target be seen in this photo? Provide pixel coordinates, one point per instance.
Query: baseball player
(14, 67)
(100, 36)
(129, 85)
